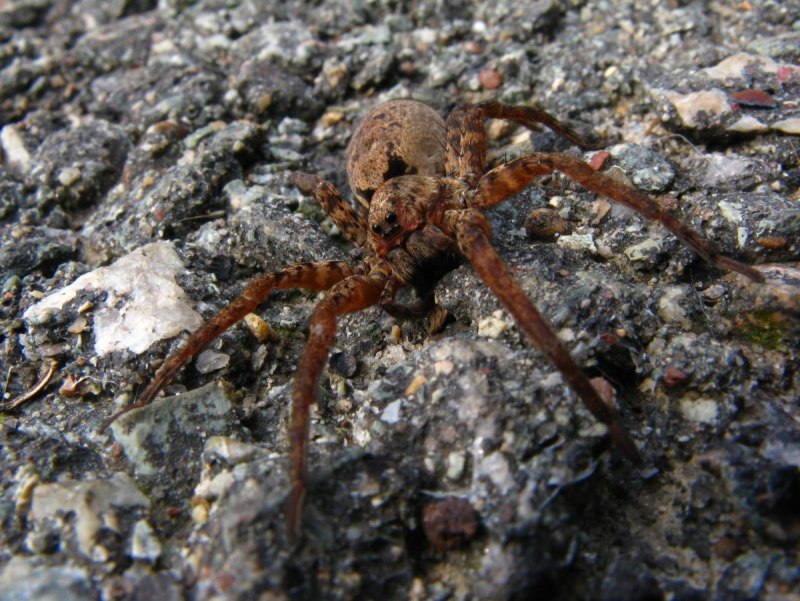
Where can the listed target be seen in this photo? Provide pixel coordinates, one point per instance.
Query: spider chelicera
(421, 185)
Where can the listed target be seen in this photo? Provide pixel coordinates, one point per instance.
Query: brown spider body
(422, 186)
(403, 137)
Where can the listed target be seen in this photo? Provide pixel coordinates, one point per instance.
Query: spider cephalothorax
(421, 185)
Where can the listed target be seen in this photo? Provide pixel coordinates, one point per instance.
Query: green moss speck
(767, 329)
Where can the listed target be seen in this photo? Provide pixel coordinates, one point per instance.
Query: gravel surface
(147, 151)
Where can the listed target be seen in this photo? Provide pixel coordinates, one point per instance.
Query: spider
(421, 187)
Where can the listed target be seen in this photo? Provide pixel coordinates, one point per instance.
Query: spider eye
(391, 218)
(376, 228)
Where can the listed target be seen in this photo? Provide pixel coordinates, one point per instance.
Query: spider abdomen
(400, 137)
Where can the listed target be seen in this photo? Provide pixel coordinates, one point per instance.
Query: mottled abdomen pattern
(400, 137)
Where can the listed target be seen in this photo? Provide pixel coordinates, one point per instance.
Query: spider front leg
(311, 276)
(472, 232)
(514, 176)
(353, 294)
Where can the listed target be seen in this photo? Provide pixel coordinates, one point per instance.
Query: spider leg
(531, 117)
(467, 140)
(311, 276)
(506, 180)
(472, 231)
(350, 222)
(352, 294)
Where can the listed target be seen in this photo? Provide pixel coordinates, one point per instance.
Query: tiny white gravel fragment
(456, 461)
(144, 542)
(211, 360)
(391, 414)
(16, 154)
(492, 327)
(579, 242)
(700, 411)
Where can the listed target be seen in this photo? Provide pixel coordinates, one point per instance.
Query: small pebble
(493, 326)
(211, 360)
(415, 384)
(490, 79)
(69, 176)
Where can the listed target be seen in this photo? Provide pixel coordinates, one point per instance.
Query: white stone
(143, 302)
(701, 411)
(68, 176)
(788, 126)
(456, 462)
(644, 251)
(579, 242)
(721, 169)
(231, 450)
(391, 414)
(670, 309)
(731, 211)
(496, 467)
(492, 326)
(747, 124)
(144, 542)
(712, 102)
(211, 360)
(14, 149)
(93, 503)
(215, 487)
(736, 66)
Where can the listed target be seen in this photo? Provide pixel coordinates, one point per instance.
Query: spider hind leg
(472, 231)
(311, 276)
(347, 296)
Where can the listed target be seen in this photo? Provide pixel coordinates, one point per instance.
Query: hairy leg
(472, 232)
(349, 221)
(311, 276)
(467, 140)
(531, 118)
(516, 175)
(353, 294)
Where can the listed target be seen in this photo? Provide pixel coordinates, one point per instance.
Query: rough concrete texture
(454, 466)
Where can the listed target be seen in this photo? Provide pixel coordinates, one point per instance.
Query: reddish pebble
(674, 377)
(787, 73)
(490, 79)
(599, 160)
(449, 523)
(754, 98)
(609, 338)
(224, 581)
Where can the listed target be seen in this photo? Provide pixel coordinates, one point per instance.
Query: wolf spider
(421, 187)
